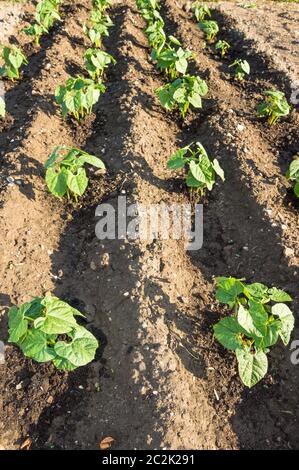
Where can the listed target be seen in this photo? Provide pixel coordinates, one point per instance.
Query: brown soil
(160, 380)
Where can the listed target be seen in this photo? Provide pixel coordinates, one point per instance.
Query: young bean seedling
(102, 5)
(242, 68)
(96, 31)
(13, 59)
(274, 107)
(210, 28)
(201, 172)
(156, 35)
(66, 175)
(182, 93)
(46, 330)
(200, 11)
(170, 60)
(78, 96)
(293, 174)
(96, 61)
(260, 317)
(222, 47)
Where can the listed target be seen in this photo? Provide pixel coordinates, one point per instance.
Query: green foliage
(36, 30)
(260, 317)
(170, 60)
(78, 96)
(156, 35)
(102, 4)
(13, 59)
(293, 174)
(96, 61)
(242, 68)
(97, 27)
(222, 47)
(47, 14)
(274, 107)
(182, 93)
(2, 107)
(210, 28)
(200, 11)
(46, 330)
(66, 174)
(201, 174)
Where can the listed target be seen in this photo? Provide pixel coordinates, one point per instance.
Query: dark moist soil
(159, 378)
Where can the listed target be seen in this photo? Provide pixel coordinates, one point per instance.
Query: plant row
(259, 314)
(46, 329)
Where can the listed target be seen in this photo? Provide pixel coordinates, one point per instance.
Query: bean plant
(259, 318)
(47, 14)
(222, 47)
(201, 171)
(293, 174)
(242, 68)
(170, 60)
(274, 107)
(65, 172)
(46, 330)
(182, 93)
(102, 4)
(96, 61)
(78, 96)
(13, 59)
(200, 11)
(210, 28)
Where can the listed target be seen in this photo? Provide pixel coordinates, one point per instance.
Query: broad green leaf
(80, 351)
(287, 321)
(35, 346)
(63, 364)
(228, 290)
(256, 291)
(78, 182)
(228, 333)
(197, 172)
(176, 162)
(245, 320)
(296, 189)
(278, 295)
(59, 317)
(181, 65)
(17, 325)
(195, 100)
(91, 160)
(2, 107)
(218, 170)
(252, 366)
(56, 182)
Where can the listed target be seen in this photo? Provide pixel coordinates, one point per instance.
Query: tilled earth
(160, 380)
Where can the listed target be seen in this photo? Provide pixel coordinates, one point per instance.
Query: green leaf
(228, 290)
(17, 325)
(2, 107)
(218, 170)
(58, 317)
(78, 182)
(296, 189)
(245, 320)
(228, 331)
(287, 321)
(35, 346)
(63, 364)
(256, 291)
(91, 160)
(195, 99)
(176, 162)
(197, 172)
(56, 182)
(81, 350)
(252, 367)
(278, 295)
